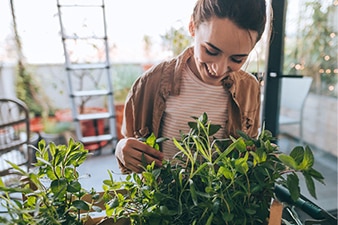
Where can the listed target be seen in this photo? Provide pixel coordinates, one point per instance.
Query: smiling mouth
(210, 71)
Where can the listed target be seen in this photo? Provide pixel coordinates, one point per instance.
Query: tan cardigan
(146, 101)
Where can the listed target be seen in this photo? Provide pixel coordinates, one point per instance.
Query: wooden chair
(294, 91)
(14, 138)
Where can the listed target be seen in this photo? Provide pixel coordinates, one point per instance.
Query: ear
(191, 27)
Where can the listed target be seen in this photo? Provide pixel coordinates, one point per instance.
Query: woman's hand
(133, 154)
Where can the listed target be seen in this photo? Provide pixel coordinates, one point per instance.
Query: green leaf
(240, 145)
(241, 164)
(52, 150)
(59, 187)
(17, 168)
(292, 183)
(243, 135)
(213, 129)
(193, 192)
(297, 154)
(161, 139)
(288, 161)
(308, 160)
(250, 211)
(192, 125)
(80, 205)
(113, 203)
(226, 172)
(73, 187)
(151, 140)
(316, 175)
(2, 184)
(310, 185)
(209, 221)
(216, 206)
(97, 208)
(228, 216)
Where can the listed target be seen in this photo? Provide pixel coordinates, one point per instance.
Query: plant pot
(119, 109)
(147, 66)
(35, 124)
(88, 127)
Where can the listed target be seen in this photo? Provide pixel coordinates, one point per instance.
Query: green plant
(51, 194)
(313, 52)
(176, 40)
(213, 181)
(124, 76)
(28, 88)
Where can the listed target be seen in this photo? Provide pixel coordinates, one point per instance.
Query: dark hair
(246, 14)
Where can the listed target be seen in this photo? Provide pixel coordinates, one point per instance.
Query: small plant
(214, 181)
(53, 193)
(176, 40)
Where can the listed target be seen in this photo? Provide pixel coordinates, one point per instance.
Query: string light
(328, 71)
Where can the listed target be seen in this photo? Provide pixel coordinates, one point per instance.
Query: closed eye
(237, 60)
(212, 53)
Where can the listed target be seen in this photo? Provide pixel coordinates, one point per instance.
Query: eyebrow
(217, 49)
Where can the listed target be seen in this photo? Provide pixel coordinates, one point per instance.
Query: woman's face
(220, 48)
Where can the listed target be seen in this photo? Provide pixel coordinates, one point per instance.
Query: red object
(119, 118)
(35, 124)
(88, 127)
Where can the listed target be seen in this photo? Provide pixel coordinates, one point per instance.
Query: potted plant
(28, 88)
(212, 181)
(52, 193)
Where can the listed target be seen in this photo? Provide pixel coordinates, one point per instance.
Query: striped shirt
(195, 98)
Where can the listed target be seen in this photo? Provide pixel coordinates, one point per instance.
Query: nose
(221, 67)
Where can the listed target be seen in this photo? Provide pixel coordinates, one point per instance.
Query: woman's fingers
(137, 155)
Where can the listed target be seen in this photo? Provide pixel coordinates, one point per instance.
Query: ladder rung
(74, 37)
(87, 66)
(93, 116)
(91, 93)
(70, 3)
(76, 5)
(104, 137)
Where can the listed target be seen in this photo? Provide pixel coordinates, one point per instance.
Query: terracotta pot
(35, 124)
(147, 66)
(88, 127)
(119, 108)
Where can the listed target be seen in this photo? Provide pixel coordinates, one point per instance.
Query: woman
(204, 78)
